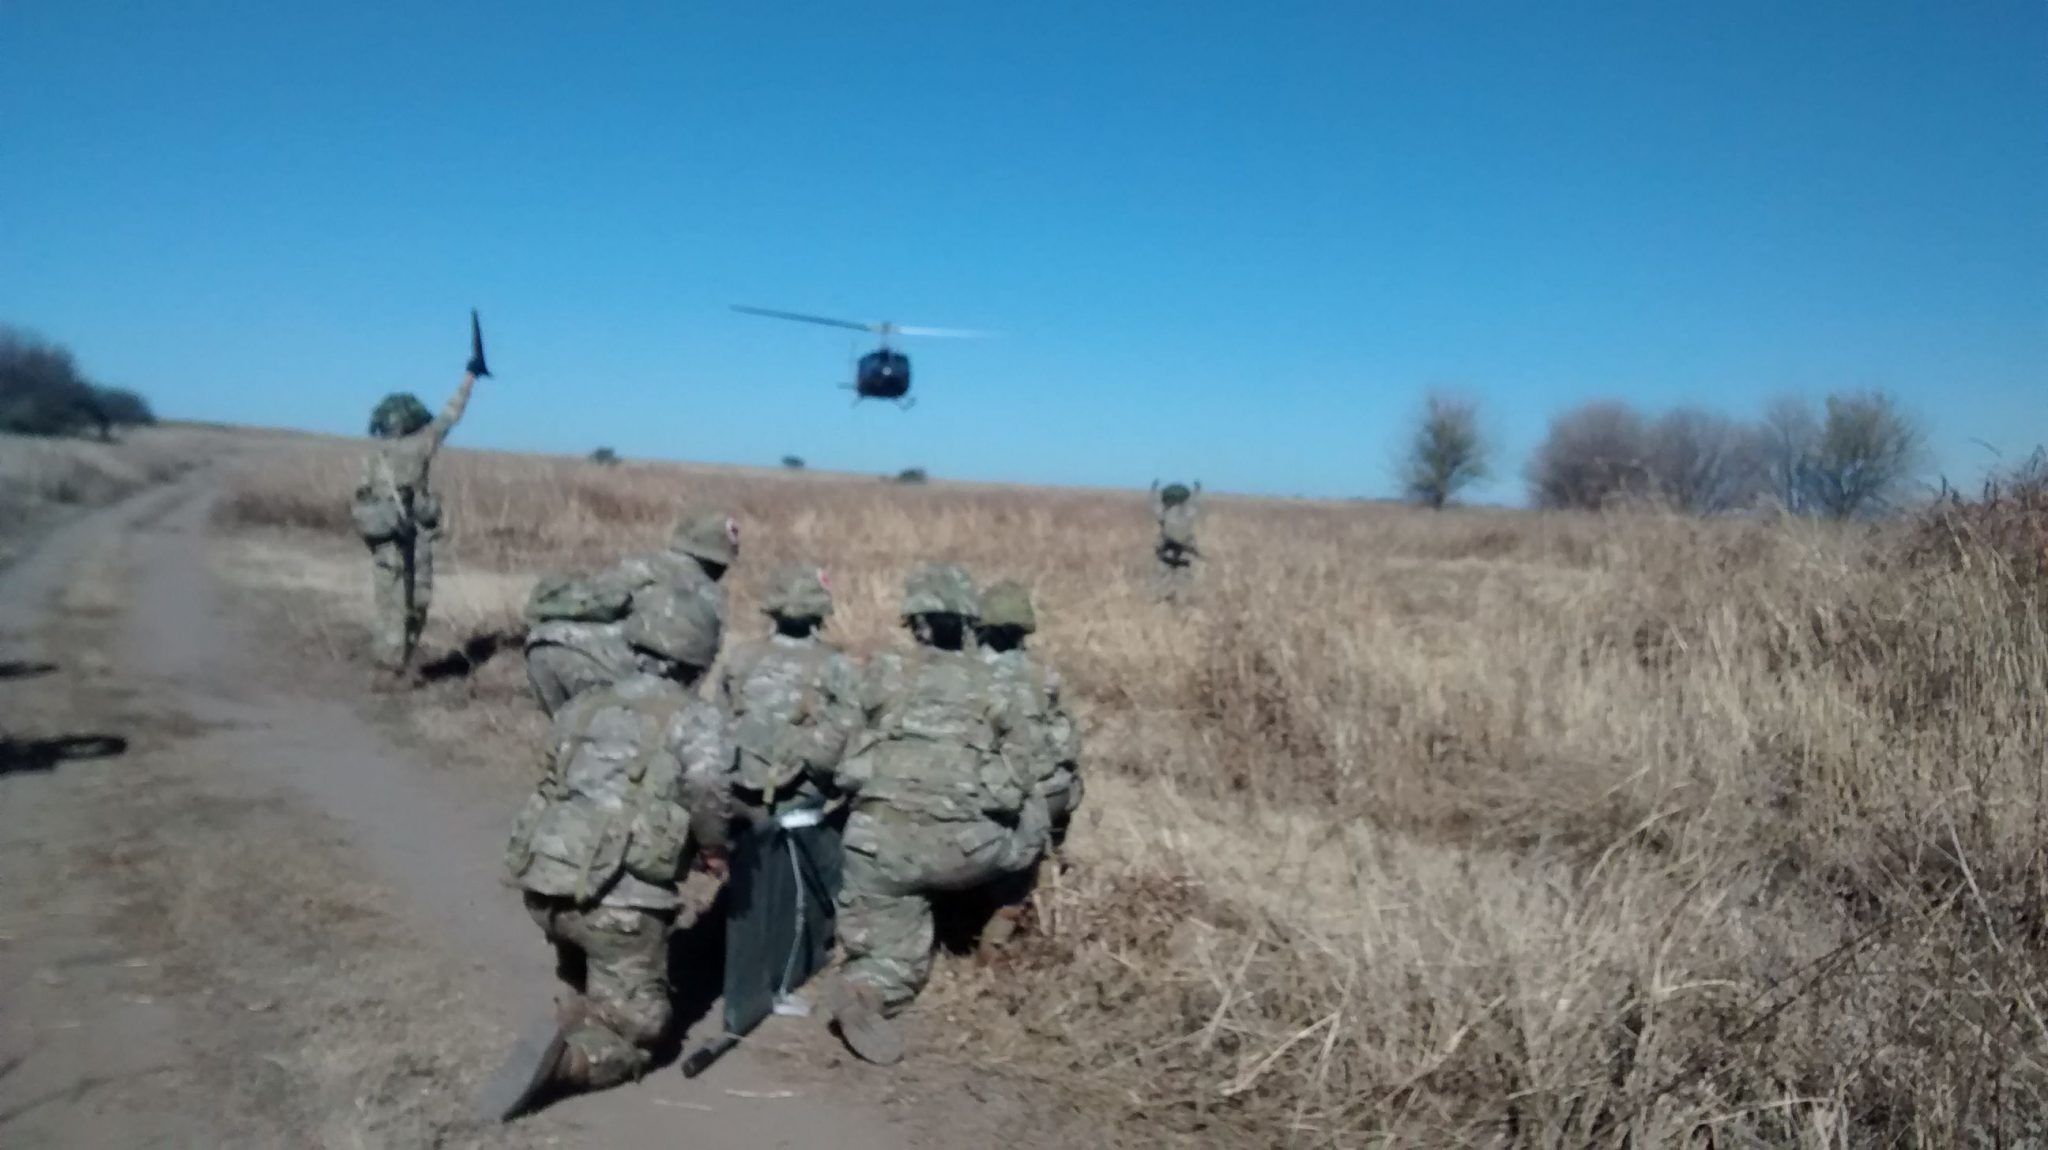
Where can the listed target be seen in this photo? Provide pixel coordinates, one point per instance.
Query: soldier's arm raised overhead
(436, 432)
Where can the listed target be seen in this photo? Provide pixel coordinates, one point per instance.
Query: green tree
(1446, 454)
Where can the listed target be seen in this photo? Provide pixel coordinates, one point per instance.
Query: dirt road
(237, 915)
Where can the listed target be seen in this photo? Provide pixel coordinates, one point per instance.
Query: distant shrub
(605, 457)
(793, 462)
(911, 475)
(124, 408)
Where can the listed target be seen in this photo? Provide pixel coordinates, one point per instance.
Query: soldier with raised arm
(637, 788)
(399, 517)
(1173, 506)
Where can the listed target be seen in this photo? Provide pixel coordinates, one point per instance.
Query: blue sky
(1232, 241)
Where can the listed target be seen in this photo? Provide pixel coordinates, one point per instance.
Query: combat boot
(542, 1062)
(856, 1010)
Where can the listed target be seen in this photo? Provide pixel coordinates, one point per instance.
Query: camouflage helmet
(1174, 494)
(940, 589)
(677, 623)
(712, 536)
(1008, 604)
(798, 591)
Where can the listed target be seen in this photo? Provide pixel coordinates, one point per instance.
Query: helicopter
(883, 373)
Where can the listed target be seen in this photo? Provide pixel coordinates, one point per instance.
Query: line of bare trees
(1856, 454)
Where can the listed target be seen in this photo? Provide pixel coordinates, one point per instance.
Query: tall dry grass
(1481, 827)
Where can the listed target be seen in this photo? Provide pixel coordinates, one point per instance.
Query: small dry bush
(1473, 827)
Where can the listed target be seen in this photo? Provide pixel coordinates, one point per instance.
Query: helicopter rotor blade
(944, 332)
(802, 318)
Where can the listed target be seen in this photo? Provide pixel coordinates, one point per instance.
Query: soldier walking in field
(575, 634)
(939, 806)
(1048, 738)
(638, 787)
(1173, 506)
(399, 517)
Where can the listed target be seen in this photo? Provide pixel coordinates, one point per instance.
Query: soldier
(938, 807)
(576, 626)
(1007, 622)
(1174, 507)
(793, 699)
(399, 519)
(637, 788)
(1032, 690)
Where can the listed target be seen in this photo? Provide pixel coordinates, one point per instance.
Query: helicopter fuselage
(882, 374)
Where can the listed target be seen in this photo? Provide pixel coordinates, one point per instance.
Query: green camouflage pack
(572, 599)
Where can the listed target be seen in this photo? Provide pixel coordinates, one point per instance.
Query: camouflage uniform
(575, 634)
(1174, 557)
(1033, 690)
(793, 700)
(938, 806)
(399, 519)
(638, 783)
(1049, 741)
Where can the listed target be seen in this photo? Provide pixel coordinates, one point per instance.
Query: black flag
(477, 367)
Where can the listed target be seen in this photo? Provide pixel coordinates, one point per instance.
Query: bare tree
(1706, 463)
(1790, 437)
(1447, 453)
(1592, 456)
(1867, 453)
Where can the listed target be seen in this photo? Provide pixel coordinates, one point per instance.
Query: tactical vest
(934, 751)
(769, 743)
(596, 814)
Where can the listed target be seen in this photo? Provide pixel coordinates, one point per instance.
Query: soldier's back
(933, 743)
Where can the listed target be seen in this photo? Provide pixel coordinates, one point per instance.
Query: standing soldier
(938, 806)
(1174, 507)
(576, 626)
(1053, 741)
(399, 518)
(637, 787)
(793, 699)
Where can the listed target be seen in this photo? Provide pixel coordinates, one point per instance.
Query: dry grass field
(1481, 827)
(41, 479)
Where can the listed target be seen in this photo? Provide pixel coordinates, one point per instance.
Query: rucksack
(568, 598)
